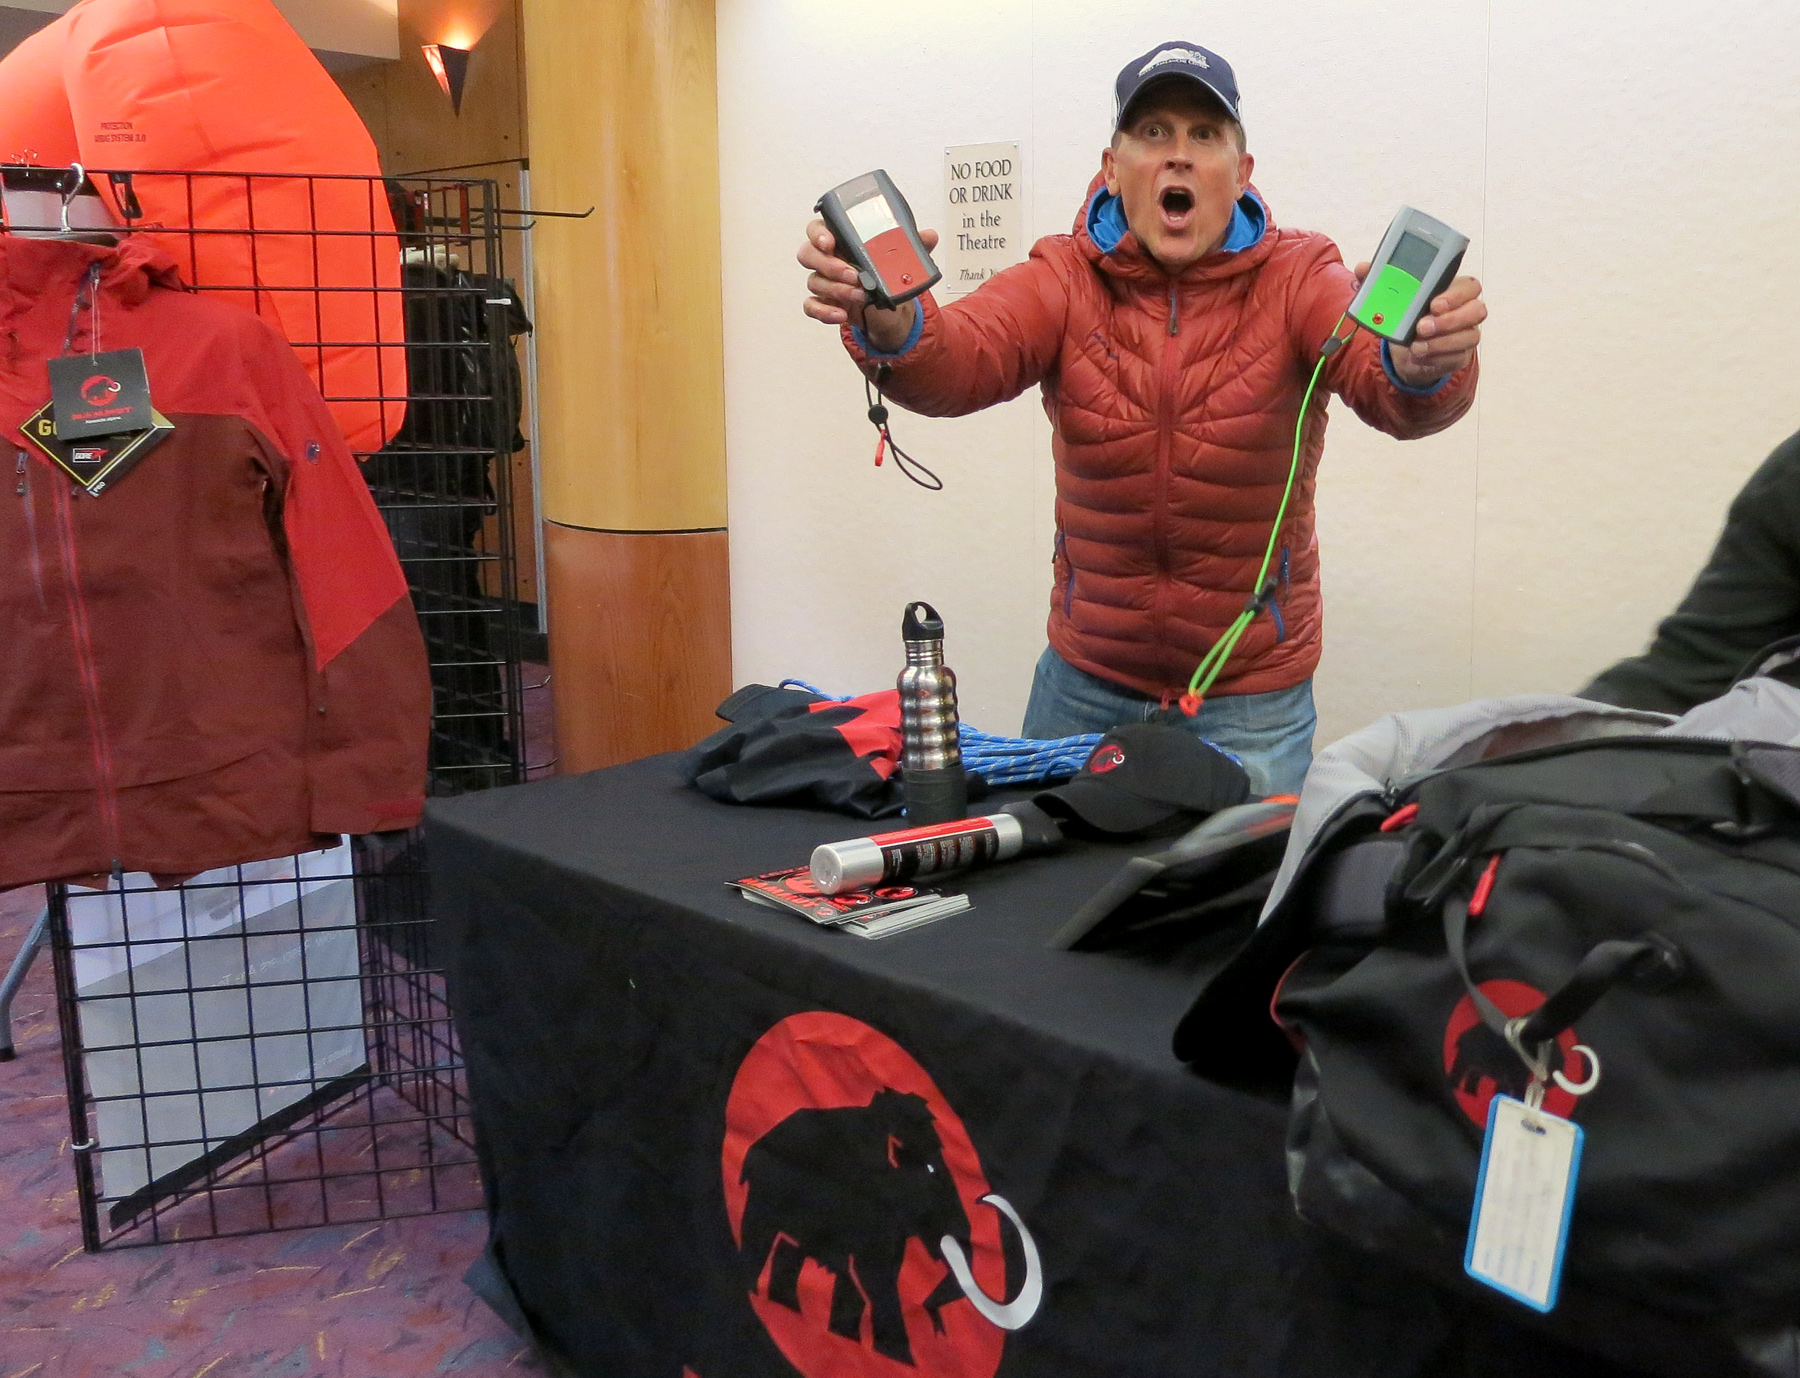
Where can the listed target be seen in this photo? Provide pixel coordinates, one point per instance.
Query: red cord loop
(880, 448)
(1400, 818)
(1483, 889)
(1190, 704)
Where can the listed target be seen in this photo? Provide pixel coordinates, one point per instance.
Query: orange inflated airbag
(35, 123)
(227, 86)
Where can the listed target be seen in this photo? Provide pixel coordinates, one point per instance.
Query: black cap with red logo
(1144, 774)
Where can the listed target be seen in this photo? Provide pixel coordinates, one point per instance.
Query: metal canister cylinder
(931, 769)
(898, 857)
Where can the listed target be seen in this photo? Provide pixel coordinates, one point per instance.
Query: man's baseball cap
(1189, 60)
(1143, 774)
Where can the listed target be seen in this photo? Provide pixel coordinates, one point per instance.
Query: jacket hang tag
(100, 394)
(1523, 1201)
(94, 465)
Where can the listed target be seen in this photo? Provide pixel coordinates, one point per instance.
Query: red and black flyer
(794, 889)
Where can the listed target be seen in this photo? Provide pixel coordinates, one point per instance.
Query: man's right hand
(835, 296)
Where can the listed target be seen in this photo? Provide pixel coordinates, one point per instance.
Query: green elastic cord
(1213, 663)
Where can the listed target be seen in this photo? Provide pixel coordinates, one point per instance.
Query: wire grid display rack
(266, 1047)
(270, 1046)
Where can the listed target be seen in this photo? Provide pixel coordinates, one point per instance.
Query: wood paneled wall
(641, 640)
(624, 117)
(414, 129)
(410, 116)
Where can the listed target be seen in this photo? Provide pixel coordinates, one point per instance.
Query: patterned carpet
(371, 1300)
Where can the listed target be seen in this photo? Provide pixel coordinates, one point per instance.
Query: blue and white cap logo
(1168, 55)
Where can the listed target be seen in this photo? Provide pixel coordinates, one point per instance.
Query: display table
(723, 1142)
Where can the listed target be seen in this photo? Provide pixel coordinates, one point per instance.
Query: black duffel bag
(1624, 916)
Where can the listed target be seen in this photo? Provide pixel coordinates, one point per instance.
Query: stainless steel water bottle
(931, 769)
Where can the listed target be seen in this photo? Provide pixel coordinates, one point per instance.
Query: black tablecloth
(686, 1103)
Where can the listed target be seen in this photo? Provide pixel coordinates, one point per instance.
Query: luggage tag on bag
(100, 394)
(1523, 1199)
(95, 464)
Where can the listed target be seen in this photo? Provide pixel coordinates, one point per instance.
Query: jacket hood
(31, 267)
(1114, 248)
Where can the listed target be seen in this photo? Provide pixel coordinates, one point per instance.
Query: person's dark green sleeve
(1747, 597)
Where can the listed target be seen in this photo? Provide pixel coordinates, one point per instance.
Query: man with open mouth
(1173, 332)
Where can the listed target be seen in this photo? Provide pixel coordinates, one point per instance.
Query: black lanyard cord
(905, 463)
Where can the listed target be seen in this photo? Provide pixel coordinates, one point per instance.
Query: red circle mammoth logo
(870, 1242)
(1480, 1064)
(1107, 756)
(99, 390)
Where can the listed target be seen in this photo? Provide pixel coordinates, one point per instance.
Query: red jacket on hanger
(215, 660)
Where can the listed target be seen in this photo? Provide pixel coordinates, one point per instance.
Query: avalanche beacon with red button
(874, 230)
(1418, 258)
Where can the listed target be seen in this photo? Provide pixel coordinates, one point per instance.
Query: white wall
(1630, 176)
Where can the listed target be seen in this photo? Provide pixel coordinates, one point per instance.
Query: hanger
(54, 203)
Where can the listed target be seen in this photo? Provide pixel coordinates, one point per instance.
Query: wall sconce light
(451, 68)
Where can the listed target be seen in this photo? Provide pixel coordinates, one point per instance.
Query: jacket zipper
(1165, 436)
(104, 776)
(1280, 599)
(1062, 550)
(33, 556)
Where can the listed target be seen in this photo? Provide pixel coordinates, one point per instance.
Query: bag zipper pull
(1484, 888)
(1399, 818)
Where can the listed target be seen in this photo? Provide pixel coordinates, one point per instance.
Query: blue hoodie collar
(1107, 226)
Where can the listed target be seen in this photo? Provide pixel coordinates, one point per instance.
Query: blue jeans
(1270, 733)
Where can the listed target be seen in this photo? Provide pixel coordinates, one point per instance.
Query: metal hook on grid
(125, 193)
(537, 215)
(78, 179)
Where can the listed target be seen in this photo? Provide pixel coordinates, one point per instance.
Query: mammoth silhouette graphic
(1483, 1055)
(848, 1187)
(1480, 1064)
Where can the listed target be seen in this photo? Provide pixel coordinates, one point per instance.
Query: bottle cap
(922, 623)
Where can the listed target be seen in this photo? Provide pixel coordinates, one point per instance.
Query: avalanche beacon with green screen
(1417, 259)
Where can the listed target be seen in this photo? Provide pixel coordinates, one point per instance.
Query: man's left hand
(1445, 340)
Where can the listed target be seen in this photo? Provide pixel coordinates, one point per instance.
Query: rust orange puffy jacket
(1173, 402)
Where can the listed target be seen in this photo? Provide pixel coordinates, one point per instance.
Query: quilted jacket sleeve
(984, 348)
(1357, 372)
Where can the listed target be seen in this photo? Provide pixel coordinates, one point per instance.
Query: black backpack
(1624, 914)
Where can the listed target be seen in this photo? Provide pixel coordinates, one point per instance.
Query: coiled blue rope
(1003, 760)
